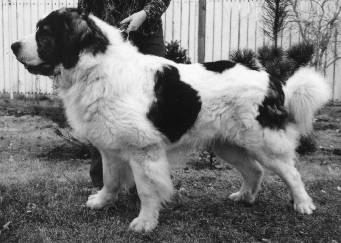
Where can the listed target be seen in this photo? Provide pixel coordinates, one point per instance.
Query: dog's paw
(243, 196)
(99, 200)
(142, 224)
(304, 207)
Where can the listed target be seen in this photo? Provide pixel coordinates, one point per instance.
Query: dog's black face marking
(218, 66)
(177, 104)
(272, 113)
(64, 34)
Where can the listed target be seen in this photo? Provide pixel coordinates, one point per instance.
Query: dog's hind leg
(114, 173)
(154, 186)
(287, 171)
(248, 167)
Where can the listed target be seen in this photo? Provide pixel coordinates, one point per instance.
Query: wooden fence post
(334, 64)
(201, 31)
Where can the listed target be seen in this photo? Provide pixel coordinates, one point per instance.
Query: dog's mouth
(44, 68)
(41, 69)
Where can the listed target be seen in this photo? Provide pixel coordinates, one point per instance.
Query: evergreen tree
(275, 14)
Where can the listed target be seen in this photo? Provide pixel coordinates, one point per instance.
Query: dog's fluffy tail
(306, 91)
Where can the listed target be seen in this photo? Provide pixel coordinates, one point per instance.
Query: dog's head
(59, 39)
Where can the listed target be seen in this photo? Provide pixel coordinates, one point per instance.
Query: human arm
(155, 8)
(85, 5)
(152, 10)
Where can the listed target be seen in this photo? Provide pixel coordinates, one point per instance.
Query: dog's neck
(119, 54)
(118, 47)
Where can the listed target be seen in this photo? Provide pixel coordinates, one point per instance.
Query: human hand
(134, 21)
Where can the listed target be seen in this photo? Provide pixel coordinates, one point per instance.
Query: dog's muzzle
(41, 69)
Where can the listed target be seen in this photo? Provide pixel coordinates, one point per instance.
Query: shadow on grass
(67, 151)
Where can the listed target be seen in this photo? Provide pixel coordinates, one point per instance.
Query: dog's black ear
(79, 34)
(74, 27)
(92, 36)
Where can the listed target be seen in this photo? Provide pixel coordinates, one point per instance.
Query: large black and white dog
(137, 108)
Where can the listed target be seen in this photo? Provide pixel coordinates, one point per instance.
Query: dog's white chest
(77, 112)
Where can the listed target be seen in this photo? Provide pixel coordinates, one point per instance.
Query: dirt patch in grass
(50, 108)
(42, 197)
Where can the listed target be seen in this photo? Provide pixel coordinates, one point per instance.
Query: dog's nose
(16, 47)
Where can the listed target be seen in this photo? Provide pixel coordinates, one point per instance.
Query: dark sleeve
(155, 8)
(92, 6)
(85, 5)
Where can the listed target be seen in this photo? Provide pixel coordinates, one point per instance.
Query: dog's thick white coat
(107, 97)
(306, 91)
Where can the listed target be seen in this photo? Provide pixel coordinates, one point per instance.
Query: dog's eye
(43, 39)
(45, 30)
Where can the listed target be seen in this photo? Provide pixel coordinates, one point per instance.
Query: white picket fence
(230, 25)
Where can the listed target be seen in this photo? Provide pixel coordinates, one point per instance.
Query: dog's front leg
(112, 168)
(154, 186)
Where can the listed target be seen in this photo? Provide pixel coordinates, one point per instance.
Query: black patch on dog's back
(272, 113)
(218, 66)
(177, 104)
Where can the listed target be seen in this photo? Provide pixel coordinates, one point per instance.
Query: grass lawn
(43, 191)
